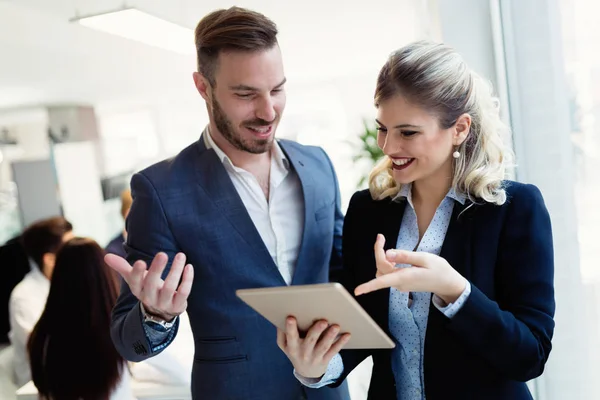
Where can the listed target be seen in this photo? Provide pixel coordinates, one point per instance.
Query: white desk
(141, 390)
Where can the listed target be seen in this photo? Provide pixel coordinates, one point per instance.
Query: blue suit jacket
(188, 204)
(502, 335)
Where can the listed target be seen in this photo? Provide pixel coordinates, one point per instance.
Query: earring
(456, 154)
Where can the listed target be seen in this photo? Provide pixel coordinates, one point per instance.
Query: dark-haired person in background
(14, 265)
(41, 241)
(246, 210)
(115, 246)
(70, 350)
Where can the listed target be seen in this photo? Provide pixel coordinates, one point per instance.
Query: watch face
(156, 326)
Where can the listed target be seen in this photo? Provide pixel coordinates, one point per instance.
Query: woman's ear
(462, 127)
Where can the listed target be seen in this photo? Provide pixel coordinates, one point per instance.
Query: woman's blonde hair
(436, 78)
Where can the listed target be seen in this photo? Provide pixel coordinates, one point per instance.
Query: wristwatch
(156, 323)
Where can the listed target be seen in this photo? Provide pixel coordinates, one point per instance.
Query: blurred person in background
(41, 241)
(14, 265)
(115, 246)
(70, 350)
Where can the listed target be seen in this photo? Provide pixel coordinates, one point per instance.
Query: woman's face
(412, 138)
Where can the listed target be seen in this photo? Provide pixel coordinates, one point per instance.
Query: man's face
(248, 98)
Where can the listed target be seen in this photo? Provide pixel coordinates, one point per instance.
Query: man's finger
(154, 277)
(119, 264)
(291, 334)
(314, 333)
(135, 280)
(172, 279)
(326, 341)
(153, 281)
(184, 289)
(158, 265)
(337, 347)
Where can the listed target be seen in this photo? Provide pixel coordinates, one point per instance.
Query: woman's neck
(431, 191)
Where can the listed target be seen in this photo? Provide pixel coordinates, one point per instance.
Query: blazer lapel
(308, 191)
(457, 244)
(389, 220)
(214, 180)
(456, 250)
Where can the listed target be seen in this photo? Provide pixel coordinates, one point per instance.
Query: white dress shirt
(25, 307)
(280, 220)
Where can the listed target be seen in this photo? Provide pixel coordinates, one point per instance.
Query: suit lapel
(455, 249)
(390, 219)
(214, 180)
(308, 191)
(457, 244)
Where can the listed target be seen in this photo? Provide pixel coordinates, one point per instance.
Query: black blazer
(501, 337)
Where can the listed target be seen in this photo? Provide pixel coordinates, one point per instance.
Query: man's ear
(202, 85)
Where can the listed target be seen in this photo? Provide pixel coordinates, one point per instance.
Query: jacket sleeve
(514, 334)
(148, 233)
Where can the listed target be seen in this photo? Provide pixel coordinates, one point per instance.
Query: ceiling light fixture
(142, 27)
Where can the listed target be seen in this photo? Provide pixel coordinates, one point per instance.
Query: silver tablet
(310, 303)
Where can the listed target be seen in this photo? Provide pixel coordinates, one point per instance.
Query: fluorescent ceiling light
(137, 25)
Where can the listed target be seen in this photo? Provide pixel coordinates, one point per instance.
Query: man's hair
(45, 236)
(232, 29)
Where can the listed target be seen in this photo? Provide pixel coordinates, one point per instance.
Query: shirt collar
(276, 152)
(406, 193)
(458, 196)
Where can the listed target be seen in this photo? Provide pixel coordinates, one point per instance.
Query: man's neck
(257, 164)
(46, 272)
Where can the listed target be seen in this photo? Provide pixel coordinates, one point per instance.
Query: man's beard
(224, 125)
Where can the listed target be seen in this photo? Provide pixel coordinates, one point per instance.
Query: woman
(466, 285)
(70, 350)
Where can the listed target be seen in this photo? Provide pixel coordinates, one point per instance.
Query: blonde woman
(453, 261)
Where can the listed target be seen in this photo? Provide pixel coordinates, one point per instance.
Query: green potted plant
(367, 150)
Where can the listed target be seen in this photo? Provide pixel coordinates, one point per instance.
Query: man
(41, 242)
(246, 210)
(115, 246)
